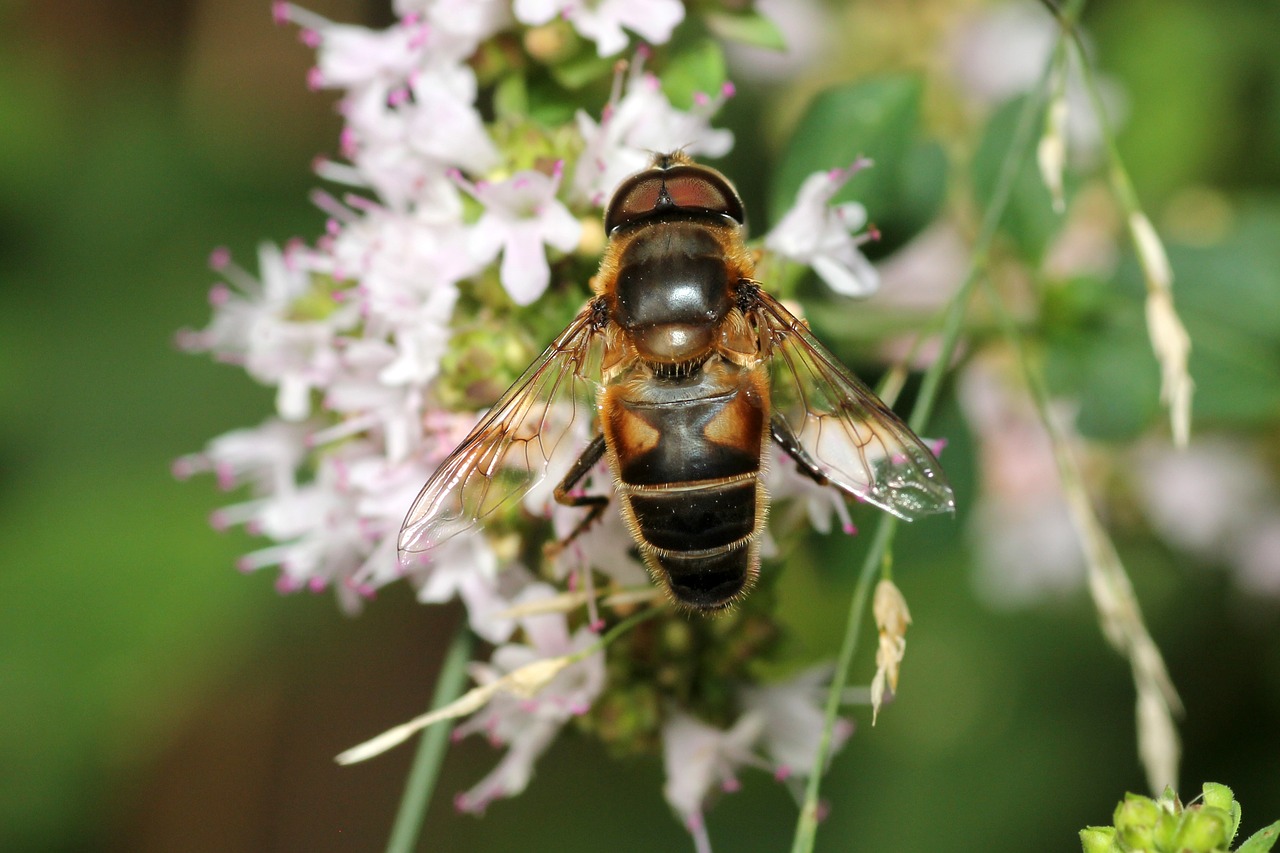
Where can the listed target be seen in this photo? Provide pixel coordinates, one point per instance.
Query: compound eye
(636, 198)
(704, 191)
(694, 189)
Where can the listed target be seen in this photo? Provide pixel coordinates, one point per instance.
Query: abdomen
(687, 460)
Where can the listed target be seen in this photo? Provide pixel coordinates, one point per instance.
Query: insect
(687, 371)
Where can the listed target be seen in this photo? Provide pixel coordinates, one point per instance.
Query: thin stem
(618, 630)
(1169, 339)
(1113, 594)
(426, 763)
(1019, 149)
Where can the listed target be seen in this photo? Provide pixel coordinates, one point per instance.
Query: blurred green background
(153, 699)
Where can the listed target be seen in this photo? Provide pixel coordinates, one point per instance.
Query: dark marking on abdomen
(696, 520)
(708, 581)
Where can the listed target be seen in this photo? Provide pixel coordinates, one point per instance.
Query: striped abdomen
(686, 455)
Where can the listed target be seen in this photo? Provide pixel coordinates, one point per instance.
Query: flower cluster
(387, 336)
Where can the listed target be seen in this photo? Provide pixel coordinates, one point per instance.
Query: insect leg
(786, 439)
(563, 496)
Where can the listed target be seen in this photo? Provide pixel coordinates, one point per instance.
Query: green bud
(1164, 835)
(1202, 830)
(1135, 820)
(1218, 796)
(1099, 839)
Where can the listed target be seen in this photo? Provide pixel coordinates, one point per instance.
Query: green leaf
(1109, 369)
(1029, 220)
(547, 104)
(1236, 283)
(922, 187)
(697, 68)
(583, 69)
(877, 119)
(747, 27)
(1262, 840)
(1228, 296)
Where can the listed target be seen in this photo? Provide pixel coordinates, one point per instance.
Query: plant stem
(426, 763)
(1019, 149)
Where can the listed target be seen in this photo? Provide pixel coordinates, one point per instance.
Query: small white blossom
(605, 547)
(444, 125)
(352, 57)
(255, 325)
(700, 758)
(794, 717)
(816, 233)
(1201, 498)
(522, 216)
(634, 126)
(267, 456)
(464, 23)
(466, 567)
(405, 149)
(1211, 499)
(528, 724)
(1001, 51)
(821, 504)
(602, 21)
(322, 539)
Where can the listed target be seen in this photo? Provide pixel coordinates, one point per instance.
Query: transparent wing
(528, 433)
(849, 435)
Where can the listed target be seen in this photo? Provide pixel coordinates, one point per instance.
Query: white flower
(254, 325)
(352, 57)
(786, 481)
(794, 716)
(445, 126)
(606, 546)
(815, 233)
(1001, 52)
(267, 456)
(406, 148)
(602, 21)
(641, 122)
(522, 216)
(466, 567)
(700, 758)
(528, 724)
(464, 23)
(322, 539)
(1212, 499)
(1201, 498)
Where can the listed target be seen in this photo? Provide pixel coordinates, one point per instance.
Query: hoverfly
(693, 371)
